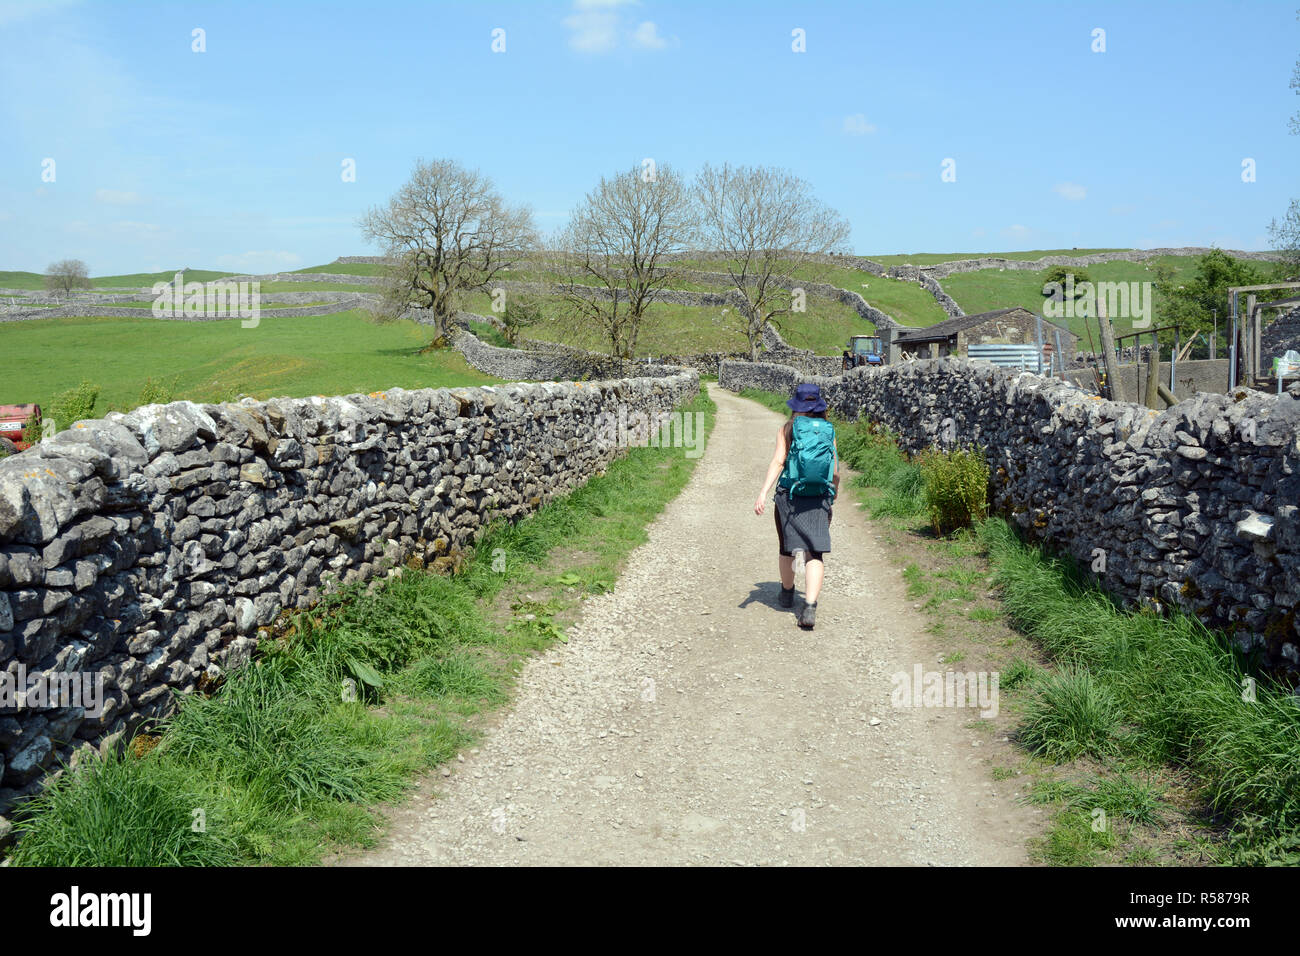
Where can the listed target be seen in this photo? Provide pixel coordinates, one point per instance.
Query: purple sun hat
(807, 398)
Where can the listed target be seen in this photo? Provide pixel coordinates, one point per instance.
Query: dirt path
(689, 720)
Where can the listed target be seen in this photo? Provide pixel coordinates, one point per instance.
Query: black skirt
(802, 523)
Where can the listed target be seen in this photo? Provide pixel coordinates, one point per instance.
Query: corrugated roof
(950, 327)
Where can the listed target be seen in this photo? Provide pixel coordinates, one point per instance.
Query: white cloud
(857, 125)
(116, 197)
(1017, 231)
(647, 37)
(1124, 209)
(1071, 191)
(598, 26)
(256, 262)
(592, 29)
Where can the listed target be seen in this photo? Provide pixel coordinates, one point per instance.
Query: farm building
(1014, 326)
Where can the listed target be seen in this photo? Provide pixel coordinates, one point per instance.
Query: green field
(344, 353)
(907, 302)
(215, 361)
(684, 329)
(674, 329)
(35, 281)
(346, 269)
(990, 289)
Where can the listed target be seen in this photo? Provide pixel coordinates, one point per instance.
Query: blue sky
(231, 158)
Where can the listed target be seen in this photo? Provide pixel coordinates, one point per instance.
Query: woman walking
(806, 470)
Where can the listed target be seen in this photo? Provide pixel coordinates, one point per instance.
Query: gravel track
(688, 720)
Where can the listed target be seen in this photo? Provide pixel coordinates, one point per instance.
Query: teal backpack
(810, 465)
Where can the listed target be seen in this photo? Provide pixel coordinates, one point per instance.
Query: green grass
(906, 302)
(36, 281)
(682, 329)
(214, 361)
(773, 400)
(490, 334)
(990, 289)
(347, 268)
(1075, 715)
(124, 812)
(1155, 691)
(291, 757)
(21, 280)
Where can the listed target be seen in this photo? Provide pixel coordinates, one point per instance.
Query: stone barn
(1014, 326)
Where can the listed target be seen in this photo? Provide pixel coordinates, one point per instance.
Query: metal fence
(1024, 357)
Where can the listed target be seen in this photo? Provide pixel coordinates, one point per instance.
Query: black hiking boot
(809, 616)
(787, 597)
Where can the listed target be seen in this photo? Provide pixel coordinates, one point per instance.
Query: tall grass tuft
(1179, 691)
(1073, 715)
(122, 811)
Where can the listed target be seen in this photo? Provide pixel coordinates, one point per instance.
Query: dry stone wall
(549, 361)
(942, 269)
(1196, 508)
(147, 549)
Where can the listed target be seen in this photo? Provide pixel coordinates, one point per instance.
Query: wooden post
(1173, 357)
(1039, 338)
(1153, 374)
(1251, 331)
(1116, 387)
(1232, 355)
(1060, 355)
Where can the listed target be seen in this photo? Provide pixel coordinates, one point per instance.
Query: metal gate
(1024, 357)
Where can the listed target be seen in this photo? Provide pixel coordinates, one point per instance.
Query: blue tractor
(863, 350)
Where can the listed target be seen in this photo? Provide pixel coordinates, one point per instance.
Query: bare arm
(773, 471)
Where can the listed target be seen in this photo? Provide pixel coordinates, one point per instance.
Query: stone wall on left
(145, 550)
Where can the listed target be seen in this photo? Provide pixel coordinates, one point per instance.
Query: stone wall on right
(1195, 507)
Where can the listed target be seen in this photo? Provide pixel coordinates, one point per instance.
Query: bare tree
(614, 255)
(773, 234)
(65, 275)
(450, 232)
(1295, 85)
(1285, 237)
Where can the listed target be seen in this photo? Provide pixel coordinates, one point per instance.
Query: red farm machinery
(14, 430)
